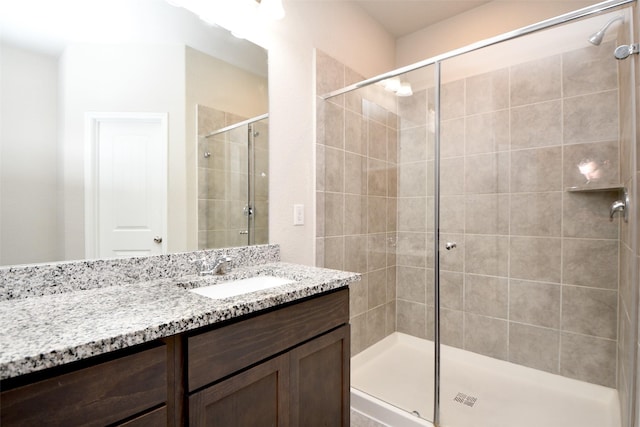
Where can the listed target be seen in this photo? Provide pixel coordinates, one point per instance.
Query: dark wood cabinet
(258, 397)
(95, 395)
(288, 366)
(300, 368)
(319, 378)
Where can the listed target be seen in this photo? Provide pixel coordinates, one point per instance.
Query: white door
(128, 204)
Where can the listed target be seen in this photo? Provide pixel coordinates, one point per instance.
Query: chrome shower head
(596, 38)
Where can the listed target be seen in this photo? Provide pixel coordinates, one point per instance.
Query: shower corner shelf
(597, 187)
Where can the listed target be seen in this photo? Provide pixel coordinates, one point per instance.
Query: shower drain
(465, 399)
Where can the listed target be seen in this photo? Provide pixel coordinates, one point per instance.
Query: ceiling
(402, 17)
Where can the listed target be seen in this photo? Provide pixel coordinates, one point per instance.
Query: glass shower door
(233, 182)
(531, 138)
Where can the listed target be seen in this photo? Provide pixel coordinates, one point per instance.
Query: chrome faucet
(220, 265)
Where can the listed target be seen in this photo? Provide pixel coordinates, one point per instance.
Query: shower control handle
(450, 245)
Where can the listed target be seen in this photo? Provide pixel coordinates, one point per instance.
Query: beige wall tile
(486, 254)
(486, 295)
(411, 249)
(592, 117)
(536, 125)
(334, 214)
(355, 133)
(334, 170)
(334, 253)
(602, 157)
(535, 303)
(589, 70)
(376, 214)
(592, 263)
(487, 133)
(537, 169)
(534, 347)
(487, 92)
(413, 110)
(452, 214)
(412, 284)
(354, 174)
(587, 215)
(452, 176)
(355, 253)
(588, 359)
(412, 180)
(376, 177)
(376, 247)
(590, 311)
(358, 299)
(333, 125)
(377, 292)
(377, 141)
(411, 214)
(376, 324)
(355, 214)
(391, 314)
(413, 144)
(536, 214)
(452, 100)
(535, 81)
(452, 260)
(487, 213)
(412, 318)
(451, 327)
(451, 285)
(486, 173)
(486, 335)
(535, 258)
(358, 331)
(451, 138)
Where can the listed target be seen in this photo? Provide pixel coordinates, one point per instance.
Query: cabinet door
(258, 397)
(320, 381)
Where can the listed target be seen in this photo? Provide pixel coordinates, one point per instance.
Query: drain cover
(465, 399)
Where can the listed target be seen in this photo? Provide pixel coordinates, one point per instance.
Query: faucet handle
(201, 263)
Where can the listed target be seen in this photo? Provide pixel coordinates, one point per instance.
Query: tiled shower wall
(356, 182)
(223, 179)
(534, 277)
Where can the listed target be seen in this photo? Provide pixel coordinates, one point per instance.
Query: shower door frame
(436, 61)
(250, 206)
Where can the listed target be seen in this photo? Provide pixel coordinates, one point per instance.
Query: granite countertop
(50, 330)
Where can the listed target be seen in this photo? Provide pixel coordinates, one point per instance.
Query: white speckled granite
(57, 328)
(24, 281)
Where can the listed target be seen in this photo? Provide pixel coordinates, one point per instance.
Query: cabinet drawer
(215, 354)
(155, 418)
(96, 395)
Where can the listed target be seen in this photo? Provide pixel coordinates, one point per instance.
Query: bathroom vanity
(162, 355)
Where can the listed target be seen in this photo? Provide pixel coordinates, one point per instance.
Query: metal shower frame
(437, 60)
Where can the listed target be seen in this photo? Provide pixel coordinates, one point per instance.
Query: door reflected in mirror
(60, 61)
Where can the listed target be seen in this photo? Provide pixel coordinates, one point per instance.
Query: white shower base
(399, 371)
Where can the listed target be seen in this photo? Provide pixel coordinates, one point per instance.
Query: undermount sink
(241, 286)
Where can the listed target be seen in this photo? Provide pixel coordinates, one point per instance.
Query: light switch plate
(298, 214)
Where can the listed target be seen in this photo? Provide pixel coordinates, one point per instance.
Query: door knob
(157, 239)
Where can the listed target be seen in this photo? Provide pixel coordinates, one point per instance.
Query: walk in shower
(499, 278)
(233, 182)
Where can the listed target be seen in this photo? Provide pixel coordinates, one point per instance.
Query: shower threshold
(394, 378)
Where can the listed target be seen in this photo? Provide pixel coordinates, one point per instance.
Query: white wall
(241, 93)
(121, 78)
(344, 32)
(28, 160)
(488, 20)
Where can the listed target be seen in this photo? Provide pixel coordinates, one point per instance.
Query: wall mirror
(127, 128)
